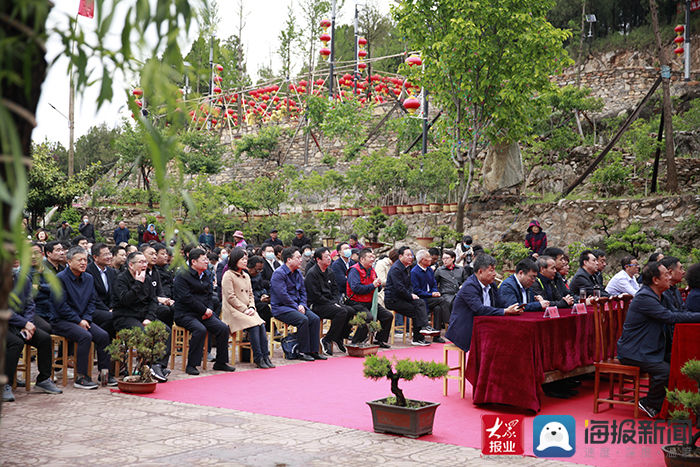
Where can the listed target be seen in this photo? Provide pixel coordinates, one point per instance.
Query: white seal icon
(554, 434)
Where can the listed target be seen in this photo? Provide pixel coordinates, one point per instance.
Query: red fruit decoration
(138, 92)
(411, 104)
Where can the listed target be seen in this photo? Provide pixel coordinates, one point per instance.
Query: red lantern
(325, 23)
(678, 40)
(138, 102)
(347, 77)
(411, 104)
(137, 92)
(319, 82)
(362, 53)
(325, 38)
(218, 79)
(325, 53)
(362, 65)
(230, 111)
(217, 89)
(414, 60)
(680, 29)
(362, 42)
(679, 51)
(220, 68)
(214, 122)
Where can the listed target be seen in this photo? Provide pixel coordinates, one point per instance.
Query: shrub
(610, 178)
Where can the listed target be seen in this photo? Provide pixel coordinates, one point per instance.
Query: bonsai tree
(364, 320)
(329, 221)
(372, 226)
(148, 344)
(396, 231)
(381, 367)
(445, 235)
(689, 400)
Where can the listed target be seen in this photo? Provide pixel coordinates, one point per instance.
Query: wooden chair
(60, 342)
(405, 327)
(237, 346)
(461, 367)
(180, 346)
(277, 325)
(24, 366)
(607, 320)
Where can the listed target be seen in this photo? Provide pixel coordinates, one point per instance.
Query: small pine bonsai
(363, 319)
(381, 367)
(148, 344)
(690, 400)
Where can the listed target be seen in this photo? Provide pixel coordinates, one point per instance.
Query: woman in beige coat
(238, 307)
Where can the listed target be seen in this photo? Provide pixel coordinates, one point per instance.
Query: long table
(686, 346)
(512, 356)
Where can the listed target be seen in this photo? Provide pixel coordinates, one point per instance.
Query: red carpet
(334, 392)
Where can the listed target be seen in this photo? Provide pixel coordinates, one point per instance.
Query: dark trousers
(40, 340)
(198, 328)
(103, 318)
(440, 308)
(257, 336)
(339, 316)
(383, 316)
(263, 310)
(127, 322)
(165, 314)
(83, 337)
(415, 309)
(308, 328)
(658, 380)
(42, 324)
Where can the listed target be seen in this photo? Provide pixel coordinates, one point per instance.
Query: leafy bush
(260, 145)
(632, 240)
(610, 178)
(372, 225)
(202, 152)
(508, 254)
(396, 231)
(149, 344)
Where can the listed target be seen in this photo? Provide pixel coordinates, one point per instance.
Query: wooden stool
(62, 343)
(238, 344)
(24, 366)
(275, 325)
(131, 355)
(461, 366)
(405, 327)
(180, 346)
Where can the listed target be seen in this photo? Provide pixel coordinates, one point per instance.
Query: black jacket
(193, 295)
(549, 291)
(133, 299)
(166, 280)
(321, 288)
(88, 231)
(267, 272)
(103, 297)
(300, 242)
(398, 284)
(587, 281)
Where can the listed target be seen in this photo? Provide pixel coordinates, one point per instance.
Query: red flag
(87, 8)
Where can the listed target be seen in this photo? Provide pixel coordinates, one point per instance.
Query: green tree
(312, 12)
(631, 240)
(287, 37)
(96, 146)
(483, 63)
(201, 153)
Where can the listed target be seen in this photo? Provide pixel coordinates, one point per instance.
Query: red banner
(694, 5)
(87, 8)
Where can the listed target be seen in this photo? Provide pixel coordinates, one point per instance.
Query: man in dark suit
(273, 240)
(585, 278)
(545, 286)
(269, 265)
(194, 311)
(341, 265)
(516, 288)
(477, 297)
(104, 276)
(643, 339)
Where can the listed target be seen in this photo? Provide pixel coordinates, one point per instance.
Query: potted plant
(371, 226)
(364, 348)
(147, 345)
(329, 222)
(397, 414)
(396, 231)
(685, 454)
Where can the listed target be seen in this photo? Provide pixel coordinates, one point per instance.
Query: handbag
(290, 346)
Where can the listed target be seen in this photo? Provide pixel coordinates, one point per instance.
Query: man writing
(477, 297)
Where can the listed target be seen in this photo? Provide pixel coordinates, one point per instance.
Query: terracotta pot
(445, 208)
(358, 351)
(424, 241)
(676, 455)
(417, 208)
(354, 212)
(392, 210)
(329, 242)
(137, 388)
(453, 207)
(400, 209)
(426, 208)
(344, 212)
(435, 207)
(374, 245)
(385, 210)
(407, 421)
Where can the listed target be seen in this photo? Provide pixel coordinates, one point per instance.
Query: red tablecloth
(686, 346)
(510, 354)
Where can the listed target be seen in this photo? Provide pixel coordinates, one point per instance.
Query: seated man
(643, 339)
(516, 288)
(22, 330)
(399, 296)
(163, 268)
(341, 265)
(270, 264)
(194, 311)
(165, 312)
(672, 296)
(561, 264)
(692, 278)
(424, 285)
(71, 317)
(262, 298)
(545, 286)
(449, 276)
(54, 262)
(324, 299)
(477, 297)
(361, 284)
(585, 280)
(135, 304)
(602, 262)
(624, 281)
(288, 304)
(104, 276)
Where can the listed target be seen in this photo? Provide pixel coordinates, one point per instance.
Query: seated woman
(238, 307)
(692, 278)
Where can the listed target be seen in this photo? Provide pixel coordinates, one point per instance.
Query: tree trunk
(459, 221)
(671, 176)
(400, 399)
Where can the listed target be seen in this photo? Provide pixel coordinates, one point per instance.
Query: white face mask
(85, 220)
(224, 258)
(270, 256)
(347, 253)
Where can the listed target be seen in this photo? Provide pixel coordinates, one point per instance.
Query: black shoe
(83, 382)
(306, 357)
(438, 340)
(427, 330)
(650, 411)
(318, 356)
(224, 367)
(191, 370)
(260, 363)
(268, 362)
(341, 346)
(166, 372)
(157, 373)
(559, 393)
(381, 344)
(327, 347)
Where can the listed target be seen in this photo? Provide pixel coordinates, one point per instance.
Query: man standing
(135, 305)
(643, 340)
(341, 265)
(584, 281)
(399, 296)
(424, 285)
(288, 304)
(87, 230)
(361, 284)
(324, 299)
(545, 287)
(194, 311)
(515, 289)
(300, 240)
(477, 297)
(72, 314)
(104, 277)
(121, 234)
(624, 281)
(141, 229)
(449, 276)
(64, 232)
(207, 239)
(273, 240)
(270, 265)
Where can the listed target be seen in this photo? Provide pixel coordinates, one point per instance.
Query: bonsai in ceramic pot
(363, 320)
(685, 454)
(146, 345)
(412, 418)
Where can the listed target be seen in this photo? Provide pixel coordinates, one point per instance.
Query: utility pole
(686, 43)
(356, 73)
(671, 176)
(71, 126)
(332, 59)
